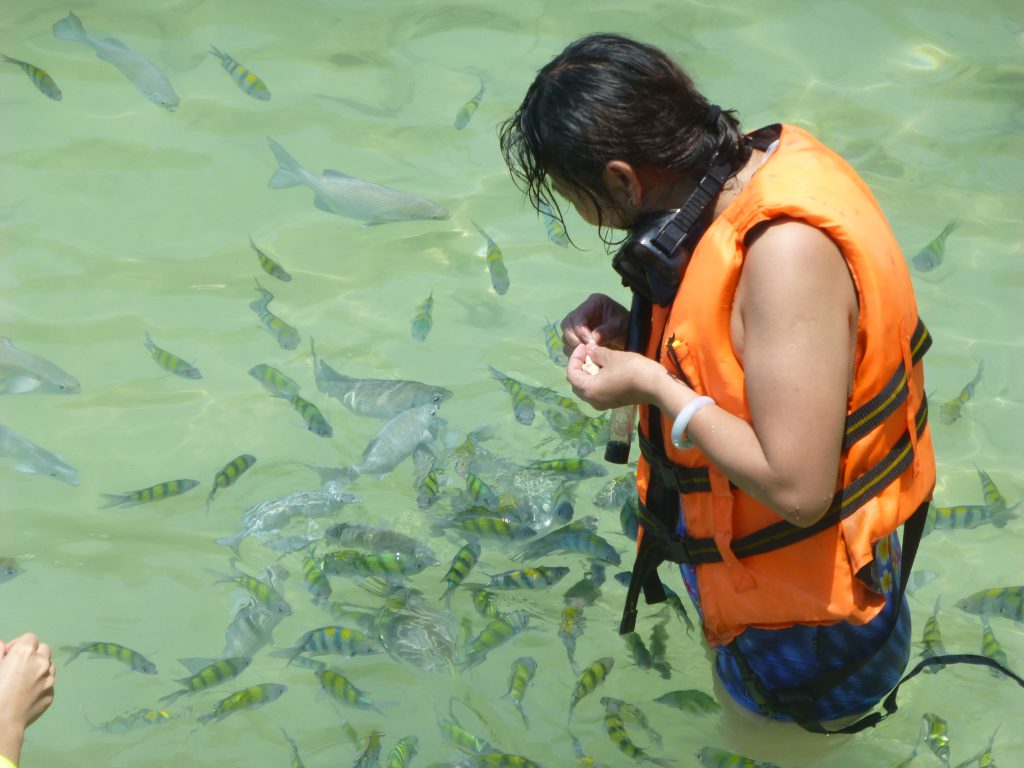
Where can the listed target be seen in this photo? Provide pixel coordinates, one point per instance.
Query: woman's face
(586, 207)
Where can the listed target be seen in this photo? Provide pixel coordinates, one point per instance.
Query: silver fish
(345, 195)
(21, 371)
(34, 459)
(380, 398)
(269, 516)
(251, 629)
(412, 630)
(397, 440)
(144, 74)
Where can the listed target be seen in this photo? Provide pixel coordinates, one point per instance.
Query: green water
(118, 218)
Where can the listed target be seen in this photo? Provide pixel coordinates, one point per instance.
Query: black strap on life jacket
(798, 703)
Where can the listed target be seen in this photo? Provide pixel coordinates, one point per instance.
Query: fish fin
(170, 698)
(234, 541)
(114, 42)
(9, 60)
(148, 343)
(321, 203)
(193, 664)
(69, 28)
(214, 51)
(112, 500)
(17, 385)
(289, 172)
(74, 650)
(336, 174)
(1001, 518)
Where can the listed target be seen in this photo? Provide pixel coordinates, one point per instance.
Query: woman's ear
(623, 184)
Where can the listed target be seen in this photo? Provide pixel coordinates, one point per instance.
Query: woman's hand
(621, 378)
(26, 689)
(599, 320)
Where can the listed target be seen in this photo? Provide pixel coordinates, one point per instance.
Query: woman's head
(608, 98)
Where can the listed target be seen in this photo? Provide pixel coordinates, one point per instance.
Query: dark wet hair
(607, 97)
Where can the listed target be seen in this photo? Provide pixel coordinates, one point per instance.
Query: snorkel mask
(654, 256)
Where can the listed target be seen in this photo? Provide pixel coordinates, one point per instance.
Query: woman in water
(774, 349)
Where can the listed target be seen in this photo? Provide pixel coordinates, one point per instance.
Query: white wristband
(687, 413)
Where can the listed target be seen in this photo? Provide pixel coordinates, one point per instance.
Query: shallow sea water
(117, 218)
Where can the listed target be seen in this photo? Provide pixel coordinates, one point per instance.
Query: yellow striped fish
(495, 264)
(313, 577)
(286, 335)
(265, 595)
(296, 758)
(133, 659)
(268, 265)
(342, 690)
(40, 77)
(467, 109)
(935, 733)
(244, 78)
(498, 632)
(247, 698)
(452, 731)
(206, 673)
(315, 421)
(570, 626)
(556, 229)
(370, 756)
(931, 640)
(423, 320)
(275, 382)
(992, 648)
(156, 492)
(229, 474)
(137, 718)
(522, 404)
(171, 362)
(553, 343)
(929, 257)
(340, 641)
(523, 670)
(428, 490)
(999, 601)
(710, 757)
(403, 752)
(616, 730)
(581, 468)
(592, 677)
(529, 578)
(951, 409)
(692, 701)
(459, 569)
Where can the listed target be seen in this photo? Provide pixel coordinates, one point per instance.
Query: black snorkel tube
(651, 263)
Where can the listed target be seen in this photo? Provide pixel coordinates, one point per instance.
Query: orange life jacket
(756, 569)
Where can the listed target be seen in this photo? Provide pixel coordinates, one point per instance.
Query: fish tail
(148, 343)
(69, 28)
(289, 173)
(1001, 518)
(113, 499)
(234, 541)
(74, 651)
(214, 51)
(170, 698)
(9, 60)
(265, 295)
